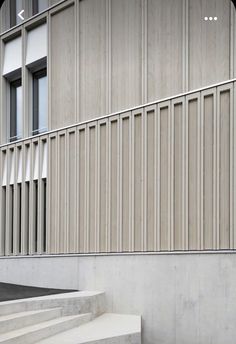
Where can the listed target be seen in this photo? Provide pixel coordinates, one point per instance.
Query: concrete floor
(14, 291)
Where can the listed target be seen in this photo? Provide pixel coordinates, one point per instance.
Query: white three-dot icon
(210, 18)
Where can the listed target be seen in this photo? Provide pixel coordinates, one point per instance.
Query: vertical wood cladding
(164, 48)
(92, 59)
(159, 178)
(62, 67)
(209, 42)
(108, 55)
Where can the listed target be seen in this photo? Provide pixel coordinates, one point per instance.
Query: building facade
(117, 157)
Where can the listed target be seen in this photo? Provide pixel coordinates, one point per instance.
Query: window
(40, 101)
(15, 110)
(16, 6)
(39, 6)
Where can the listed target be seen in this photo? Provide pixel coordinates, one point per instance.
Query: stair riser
(27, 320)
(70, 306)
(40, 334)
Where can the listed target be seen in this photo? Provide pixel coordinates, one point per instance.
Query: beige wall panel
(33, 204)
(2, 202)
(138, 181)
(72, 191)
(102, 165)
(164, 171)
(92, 59)
(8, 206)
(18, 200)
(25, 191)
(193, 176)
(3, 219)
(114, 186)
(125, 54)
(91, 193)
(62, 68)
(178, 221)
(82, 189)
(224, 169)
(125, 182)
(53, 195)
(209, 42)
(208, 168)
(62, 193)
(164, 53)
(151, 179)
(33, 197)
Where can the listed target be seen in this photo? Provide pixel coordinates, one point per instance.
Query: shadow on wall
(15, 291)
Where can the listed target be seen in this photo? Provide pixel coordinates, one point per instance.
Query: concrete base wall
(183, 298)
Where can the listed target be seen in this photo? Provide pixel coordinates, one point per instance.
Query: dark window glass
(40, 101)
(13, 13)
(39, 6)
(16, 6)
(15, 110)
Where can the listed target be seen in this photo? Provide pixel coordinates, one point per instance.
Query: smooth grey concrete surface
(37, 332)
(70, 303)
(105, 329)
(18, 320)
(183, 299)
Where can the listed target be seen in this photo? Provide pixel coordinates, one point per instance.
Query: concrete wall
(183, 298)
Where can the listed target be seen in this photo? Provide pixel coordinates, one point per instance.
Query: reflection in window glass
(40, 101)
(19, 8)
(15, 110)
(19, 111)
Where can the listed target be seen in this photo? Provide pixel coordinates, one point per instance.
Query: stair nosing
(39, 326)
(17, 315)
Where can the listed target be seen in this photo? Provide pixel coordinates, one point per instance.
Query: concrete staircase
(70, 318)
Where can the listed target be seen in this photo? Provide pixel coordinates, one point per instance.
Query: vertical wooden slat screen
(157, 178)
(2, 201)
(208, 113)
(178, 174)
(113, 186)
(150, 177)
(82, 181)
(71, 175)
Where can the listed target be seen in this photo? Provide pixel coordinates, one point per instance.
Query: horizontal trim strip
(71, 255)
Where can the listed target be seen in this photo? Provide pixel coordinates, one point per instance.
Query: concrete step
(35, 333)
(18, 320)
(106, 329)
(70, 303)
